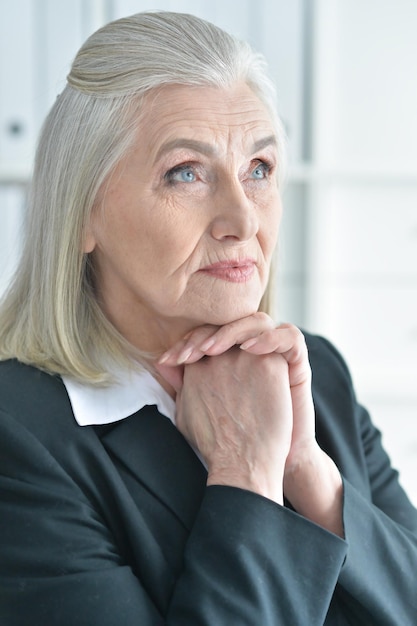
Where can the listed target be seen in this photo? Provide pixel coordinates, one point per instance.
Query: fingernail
(163, 358)
(248, 344)
(206, 345)
(184, 355)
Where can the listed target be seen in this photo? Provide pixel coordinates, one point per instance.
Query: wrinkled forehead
(204, 114)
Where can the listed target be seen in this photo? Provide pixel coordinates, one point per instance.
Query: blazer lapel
(159, 457)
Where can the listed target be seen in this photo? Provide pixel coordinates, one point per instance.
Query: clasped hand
(243, 395)
(248, 407)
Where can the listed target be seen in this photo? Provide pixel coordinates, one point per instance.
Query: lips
(234, 271)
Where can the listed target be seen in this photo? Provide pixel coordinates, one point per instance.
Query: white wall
(362, 252)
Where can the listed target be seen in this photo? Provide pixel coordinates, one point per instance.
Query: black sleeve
(247, 561)
(378, 579)
(250, 561)
(381, 564)
(58, 560)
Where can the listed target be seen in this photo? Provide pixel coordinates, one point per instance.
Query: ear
(89, 242)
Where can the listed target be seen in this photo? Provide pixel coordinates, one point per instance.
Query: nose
(236, 216)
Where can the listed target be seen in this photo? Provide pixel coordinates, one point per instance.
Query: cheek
(271, 211)
(171, 234)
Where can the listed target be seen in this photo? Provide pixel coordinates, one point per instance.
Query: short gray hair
(50, 317)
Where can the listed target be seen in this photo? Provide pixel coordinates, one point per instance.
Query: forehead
(205, 113)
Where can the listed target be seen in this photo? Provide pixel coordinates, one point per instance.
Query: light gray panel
(12, 202)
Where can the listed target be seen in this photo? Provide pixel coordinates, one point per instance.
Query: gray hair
(50, 317)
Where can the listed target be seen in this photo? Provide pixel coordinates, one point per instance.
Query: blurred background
(346, 74)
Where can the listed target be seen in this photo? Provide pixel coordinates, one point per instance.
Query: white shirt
(94, 406)
(133, 390)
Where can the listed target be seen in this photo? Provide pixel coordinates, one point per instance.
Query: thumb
(172, 375)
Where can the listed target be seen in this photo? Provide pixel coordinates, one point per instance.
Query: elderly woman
(164, 456)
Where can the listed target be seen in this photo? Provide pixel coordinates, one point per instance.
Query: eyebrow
(206, 148)
(188, 144)
(271, 140)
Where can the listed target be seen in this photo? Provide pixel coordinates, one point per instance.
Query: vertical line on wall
(307, 79)
(255, 27)
(306, 154)
(95, 14)
(40, 52)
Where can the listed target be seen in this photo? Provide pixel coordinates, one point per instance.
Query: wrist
(268, 486)
(313, 485)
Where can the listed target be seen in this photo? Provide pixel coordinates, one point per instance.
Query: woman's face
(185, 227)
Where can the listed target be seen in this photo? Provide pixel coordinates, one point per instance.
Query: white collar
(133, 390)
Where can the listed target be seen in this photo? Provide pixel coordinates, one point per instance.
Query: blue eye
(181, 174)
(260, 171)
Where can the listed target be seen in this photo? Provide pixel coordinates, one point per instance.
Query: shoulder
(328, 365)
(14, 372)
(324, 353)
(26, 388)
(36, 404)
(40, 439)
(337, 408)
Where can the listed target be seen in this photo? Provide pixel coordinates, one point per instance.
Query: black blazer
(114, 525)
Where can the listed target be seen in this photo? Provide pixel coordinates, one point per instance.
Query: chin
(227, 315)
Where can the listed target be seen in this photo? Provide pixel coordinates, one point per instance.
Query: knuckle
(263, 318)
(272, 363)
(298, 335)
(294, 331)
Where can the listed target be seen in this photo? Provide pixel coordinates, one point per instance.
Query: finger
(169, 357)
(235, 333)
(290, 343)
(213, 340)
(187, 347)
(287, 340)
